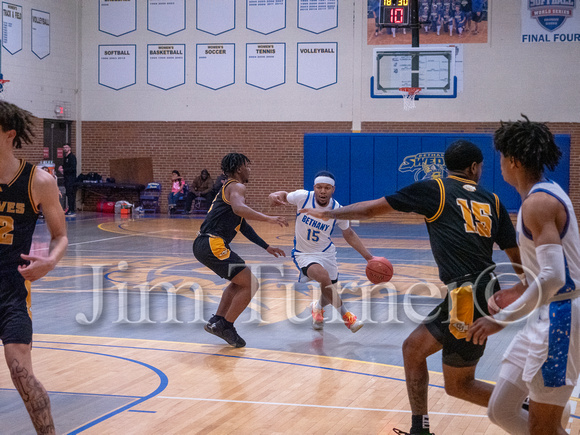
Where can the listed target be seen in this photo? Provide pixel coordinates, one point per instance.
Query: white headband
(323, 179)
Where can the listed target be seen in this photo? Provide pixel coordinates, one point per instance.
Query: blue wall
(366, 166)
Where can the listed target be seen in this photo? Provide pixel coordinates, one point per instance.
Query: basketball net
(409, 97)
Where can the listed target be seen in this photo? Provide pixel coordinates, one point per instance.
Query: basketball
(379, 269)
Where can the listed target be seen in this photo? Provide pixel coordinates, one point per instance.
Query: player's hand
(276, 252)
(279, 220)
(481, 329)
(315, 213)
(37, 268)
(277, 199)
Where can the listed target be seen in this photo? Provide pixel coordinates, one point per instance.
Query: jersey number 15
(477, 217)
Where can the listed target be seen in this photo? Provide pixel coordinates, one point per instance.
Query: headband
(324, 179)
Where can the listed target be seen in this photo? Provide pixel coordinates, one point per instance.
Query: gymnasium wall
(190, 127)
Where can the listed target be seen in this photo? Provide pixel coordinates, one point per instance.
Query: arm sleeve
(247, 230)
(423, 197)
(552, 277)
(506, 235)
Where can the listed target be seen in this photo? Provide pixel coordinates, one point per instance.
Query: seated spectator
(176, 190)
(219, 182)
(202, 187)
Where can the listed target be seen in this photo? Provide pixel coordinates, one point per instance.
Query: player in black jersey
(464, 221)
(23, 189)
(226, 216)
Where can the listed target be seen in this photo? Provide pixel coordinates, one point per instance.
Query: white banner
(216, 16)
(317, 64)
(215, 65)
(550, 21)
(265, 65)
(266, 16)
(117, 66)
(117, 17)
(166, 17)
(11, 27)
(166, 65)
(40, 33)
(317, 16)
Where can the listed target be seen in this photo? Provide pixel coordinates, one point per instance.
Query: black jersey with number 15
(464, 221)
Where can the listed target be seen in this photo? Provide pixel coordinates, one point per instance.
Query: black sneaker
(227, 333)
(413, 432)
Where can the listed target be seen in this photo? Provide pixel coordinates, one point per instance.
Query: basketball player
(23, 189)
(464, 220)
(543, 360)
(314, 253)
(226, 216)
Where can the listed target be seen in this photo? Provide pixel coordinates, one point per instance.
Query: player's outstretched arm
(45, 194)
(354, 240)
(358, 210)
(236, 195)
(279, 198)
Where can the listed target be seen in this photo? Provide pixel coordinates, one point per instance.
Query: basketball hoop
(409, 96)
(2, 83)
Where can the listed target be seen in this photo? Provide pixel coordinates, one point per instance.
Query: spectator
(176, 190)
(69, 172)
(202, 187)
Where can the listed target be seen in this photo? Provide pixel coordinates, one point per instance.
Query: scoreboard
(394, 13)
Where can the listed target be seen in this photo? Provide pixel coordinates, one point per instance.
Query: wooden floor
(119, 340)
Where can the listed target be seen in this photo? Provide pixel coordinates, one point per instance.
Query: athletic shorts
(304, 260)
(214, 253)
(449, 321)
(15, 317)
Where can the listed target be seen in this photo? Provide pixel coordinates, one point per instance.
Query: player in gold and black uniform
(23, 190)
(226, 216)
(464, 221)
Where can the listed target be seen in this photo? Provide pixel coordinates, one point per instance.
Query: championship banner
(166, 17)
(166, 65)
(11, 27)
(117, 17)
(317, 16)
(550, 21)
(265, 65)
(117, 66)
(216, 65)
(40, 33)
(317, 64)
(216, 16)
(266, 17)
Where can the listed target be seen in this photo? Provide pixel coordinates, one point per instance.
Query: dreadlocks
(531, 143)
(14, 118)
(232, 161)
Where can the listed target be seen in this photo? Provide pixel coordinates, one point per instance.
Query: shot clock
(394, 13)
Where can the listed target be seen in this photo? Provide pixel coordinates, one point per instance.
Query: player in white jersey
(543, 360)
(314, 253)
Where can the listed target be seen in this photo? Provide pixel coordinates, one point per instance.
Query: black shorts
(214, 253)
(449, 326)
(15, 318)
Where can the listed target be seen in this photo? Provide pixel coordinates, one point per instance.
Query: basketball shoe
(352, 322)
(317, 317)
(226, 332)
(421, 432)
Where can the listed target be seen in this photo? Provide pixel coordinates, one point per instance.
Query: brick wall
(275, 148)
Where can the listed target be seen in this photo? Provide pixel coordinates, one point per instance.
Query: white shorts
(537, 391)
(326, 260)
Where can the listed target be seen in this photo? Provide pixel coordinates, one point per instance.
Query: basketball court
(120, 346)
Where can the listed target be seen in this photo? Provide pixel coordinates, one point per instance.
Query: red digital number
(397, 15)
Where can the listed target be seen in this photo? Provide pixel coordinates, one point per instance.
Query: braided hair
(531, 143)
(232, 161)
(14, 118)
